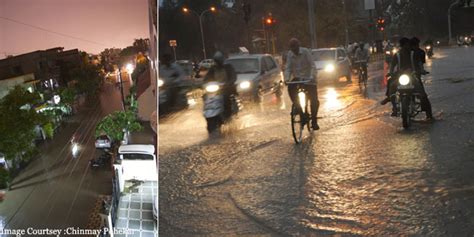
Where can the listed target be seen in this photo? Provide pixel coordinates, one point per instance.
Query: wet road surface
(58, 190)
(360, 174)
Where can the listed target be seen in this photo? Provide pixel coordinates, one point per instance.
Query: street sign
(173, 43)
(369, 4)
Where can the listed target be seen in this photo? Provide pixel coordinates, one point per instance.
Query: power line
(53, 32)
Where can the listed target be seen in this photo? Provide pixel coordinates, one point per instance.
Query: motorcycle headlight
(404, 80)
(428, 47)
(387, 52)
(244, 85)
(212, 88)
(394, 51)
(465, 38)
(329, 68)
(160, 83)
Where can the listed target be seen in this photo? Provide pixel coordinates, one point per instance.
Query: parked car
(332, 64)
(257, 75)
(138, 162)
(103, 141)
(206, 64)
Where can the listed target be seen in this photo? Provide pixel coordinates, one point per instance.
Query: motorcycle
(407, 98)
(429, 50)
(214, 106)
(102, 160)
(180, 98)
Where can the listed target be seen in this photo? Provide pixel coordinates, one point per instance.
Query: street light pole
(450, 41)
(200, 25)
(345, 23)
(311, 23)
(202, 37)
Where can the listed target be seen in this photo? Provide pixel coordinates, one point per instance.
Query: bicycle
(300, 117)
(362, 73)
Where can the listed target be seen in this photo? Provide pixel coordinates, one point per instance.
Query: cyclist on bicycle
(300, 65)
(362, 57)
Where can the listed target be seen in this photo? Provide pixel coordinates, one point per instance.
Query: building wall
(44, 64)
(7, 84)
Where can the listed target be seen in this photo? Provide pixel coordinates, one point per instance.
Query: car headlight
(244, 85)
(404, 80)
(329, 68)
(428, 47)
(160, 83)
(212, 88)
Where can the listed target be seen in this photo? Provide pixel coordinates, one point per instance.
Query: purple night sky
(108, 23)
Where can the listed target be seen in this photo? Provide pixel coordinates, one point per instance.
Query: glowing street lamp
(211, 9)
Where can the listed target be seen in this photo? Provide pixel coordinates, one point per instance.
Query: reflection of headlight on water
(75, 149)
(212, 88)
(244, 85)
(302, 98)
(332, 101)
(404, 80)
(160, 82)
(329, 68)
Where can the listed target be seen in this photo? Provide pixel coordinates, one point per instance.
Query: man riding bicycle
(300, 66)
(362, 57)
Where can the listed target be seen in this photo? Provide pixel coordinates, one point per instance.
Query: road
(360, 174)
(57, 190)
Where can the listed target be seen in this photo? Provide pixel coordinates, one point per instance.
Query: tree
(88, 79)
(67, 96)
(17, 123)
(114, 124)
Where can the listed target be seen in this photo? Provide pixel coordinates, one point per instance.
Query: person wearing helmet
(300, 65)
(225, 73)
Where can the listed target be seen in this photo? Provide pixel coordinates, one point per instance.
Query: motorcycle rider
(420, 58)
(299, 64)
(223, 73)
(171, 74)
(362, 54)
(406, 61)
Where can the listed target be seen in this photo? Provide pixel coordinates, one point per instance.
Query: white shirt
(300, 65)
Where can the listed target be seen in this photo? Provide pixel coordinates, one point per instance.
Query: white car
(155, 207)
(138, 162)
(332, 64)
(257, 75)
(103, 141)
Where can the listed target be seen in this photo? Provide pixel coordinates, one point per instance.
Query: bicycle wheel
(297, 124)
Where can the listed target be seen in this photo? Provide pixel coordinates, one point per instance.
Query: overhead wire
(52, 32)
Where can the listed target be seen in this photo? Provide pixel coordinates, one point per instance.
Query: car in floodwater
(332, 64)
(257, 75)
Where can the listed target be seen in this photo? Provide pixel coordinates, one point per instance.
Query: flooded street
(57, 189)
(360, 174)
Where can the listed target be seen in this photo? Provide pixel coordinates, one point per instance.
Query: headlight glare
(404, 80)
(244, 85)
(212, 88)
(329, 68)
(160, 83)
